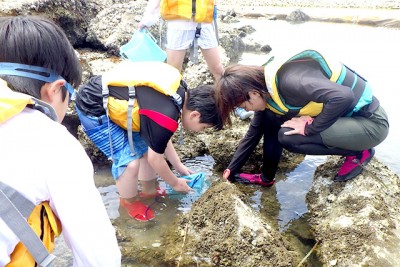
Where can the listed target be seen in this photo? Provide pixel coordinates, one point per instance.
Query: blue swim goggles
(37, 73)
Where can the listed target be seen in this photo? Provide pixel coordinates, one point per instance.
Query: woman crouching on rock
(305, 104)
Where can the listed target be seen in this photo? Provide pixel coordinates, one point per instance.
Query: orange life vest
(198, 10)
(46, 226)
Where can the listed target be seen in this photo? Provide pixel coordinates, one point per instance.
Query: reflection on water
(291, 192)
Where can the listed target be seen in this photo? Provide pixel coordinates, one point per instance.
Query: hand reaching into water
(226, 173)
(182, 169)
(182, 186)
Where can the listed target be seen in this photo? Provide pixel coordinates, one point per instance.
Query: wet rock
(233, 45)
(227, 16)
(191, 147)
(266, 48)
(222, 230)
(356, 222)
(114, 26)
(72, 16)
(222, 145)
(297, 16)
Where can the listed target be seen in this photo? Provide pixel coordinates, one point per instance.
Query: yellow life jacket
(277, 104)
(199, 10)
(46, 225)
(157, 75)
(12, 103)
(42, 219)
(337, 73)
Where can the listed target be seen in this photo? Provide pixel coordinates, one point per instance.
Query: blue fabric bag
(197, 182)
(142, 47)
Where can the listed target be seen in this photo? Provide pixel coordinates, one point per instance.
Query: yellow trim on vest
(182, 9)
(41, 216)
(312, 108)
(11, 103)
(158, 75)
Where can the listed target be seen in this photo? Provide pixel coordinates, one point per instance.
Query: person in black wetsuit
(156, 117)
(305, 104)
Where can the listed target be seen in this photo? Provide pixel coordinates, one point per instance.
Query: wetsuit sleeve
(248, 143)
(301, 83)
(265, 123)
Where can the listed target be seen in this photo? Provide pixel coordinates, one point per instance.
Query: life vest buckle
(177, 100)
(198, 31)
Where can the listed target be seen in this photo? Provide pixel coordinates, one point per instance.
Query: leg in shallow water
(127, 185)
(147, 178)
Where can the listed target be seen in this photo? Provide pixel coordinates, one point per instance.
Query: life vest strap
(194, 49)
(131, 102)
(193, 8)
(105, 92)
(177, 100)
(18, 224)
(160, 119)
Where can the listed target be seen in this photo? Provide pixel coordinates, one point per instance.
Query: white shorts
(178, 39)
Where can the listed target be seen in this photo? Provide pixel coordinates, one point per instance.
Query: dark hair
(234, 86)
(37, 41)
(202, 99)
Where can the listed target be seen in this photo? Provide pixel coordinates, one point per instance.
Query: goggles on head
(37, 73)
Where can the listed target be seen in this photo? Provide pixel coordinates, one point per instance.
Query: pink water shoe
(353, 165)
(253, 179)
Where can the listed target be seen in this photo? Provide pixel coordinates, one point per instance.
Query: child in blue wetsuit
(305, 104)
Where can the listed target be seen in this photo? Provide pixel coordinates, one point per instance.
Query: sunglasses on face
(37, 73)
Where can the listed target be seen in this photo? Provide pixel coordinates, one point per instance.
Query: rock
(72, 16)
(298, 16)
(223, 228)
(359, 224)
(233, 45)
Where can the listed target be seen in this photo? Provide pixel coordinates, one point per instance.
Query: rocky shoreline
(365, 233)
(346, 4)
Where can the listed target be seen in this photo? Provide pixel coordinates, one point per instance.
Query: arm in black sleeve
(302, 82)
(337, 100)
(248, 143)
